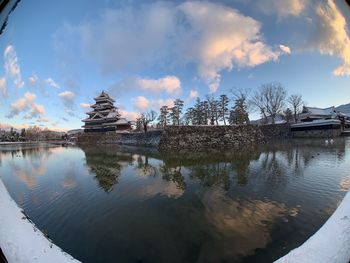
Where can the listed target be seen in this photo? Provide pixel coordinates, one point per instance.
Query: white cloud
(157, 104)
(67, 98)
(193, 94)
(3, 87)
(85, 106)
(285, 49)
(11, 66)
(50, 82)
(210, 36)
(32, 80)
(26, 105)
(129, 115)
(282, 8)
(332, 37)
(140, 103)
(170, 84)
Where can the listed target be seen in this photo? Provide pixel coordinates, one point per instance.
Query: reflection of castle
(106, 164)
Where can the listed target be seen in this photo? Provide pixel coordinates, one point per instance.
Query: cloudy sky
(58, 55)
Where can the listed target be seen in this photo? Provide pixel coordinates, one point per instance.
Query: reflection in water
(247, 221)
(107, 164)
(125, 204)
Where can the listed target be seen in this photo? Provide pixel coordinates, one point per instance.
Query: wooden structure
(105, 116)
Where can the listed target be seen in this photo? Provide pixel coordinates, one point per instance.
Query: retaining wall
(192, 137)
(214, 137)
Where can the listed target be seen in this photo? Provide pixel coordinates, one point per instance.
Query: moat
(124, 204)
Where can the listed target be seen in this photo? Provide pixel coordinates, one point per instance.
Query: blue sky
(58, 55)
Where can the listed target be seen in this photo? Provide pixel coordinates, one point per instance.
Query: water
(116, 204)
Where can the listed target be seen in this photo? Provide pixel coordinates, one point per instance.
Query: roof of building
(122, 121)
(104, 96)
(319, 111)
(113, 114)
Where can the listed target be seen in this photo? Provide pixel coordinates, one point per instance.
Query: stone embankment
(210, 137)
(149, 139)
(193, 137)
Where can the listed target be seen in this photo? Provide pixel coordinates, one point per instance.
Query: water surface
(118, 204)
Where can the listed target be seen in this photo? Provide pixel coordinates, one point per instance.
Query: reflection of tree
(173, 174)
(106, 163)
(217, 174)
(213, 168)
(144, 167)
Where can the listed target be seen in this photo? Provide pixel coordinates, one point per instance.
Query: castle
(104, 116)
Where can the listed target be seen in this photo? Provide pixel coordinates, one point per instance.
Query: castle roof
(104, 96)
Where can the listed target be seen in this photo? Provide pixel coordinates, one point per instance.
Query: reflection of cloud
(69, 182)
(161, 187)
(344, 184)
(40, 170)
(245, 220)
(26, 178)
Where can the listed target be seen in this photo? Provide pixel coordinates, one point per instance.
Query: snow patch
(20, 240)
(331, 243)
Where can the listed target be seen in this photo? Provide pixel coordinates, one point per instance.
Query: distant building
(105, 116)
(312, 113)
(317, 122)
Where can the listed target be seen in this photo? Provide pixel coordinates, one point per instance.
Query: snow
(319, 111)
(331, 243)
(20, 240)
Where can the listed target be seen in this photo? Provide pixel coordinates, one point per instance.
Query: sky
(58, 55)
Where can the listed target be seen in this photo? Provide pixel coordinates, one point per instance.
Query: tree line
(33, 133)
(270, 100)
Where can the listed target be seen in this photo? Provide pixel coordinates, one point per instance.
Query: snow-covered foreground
(20, 240)
(331, 243)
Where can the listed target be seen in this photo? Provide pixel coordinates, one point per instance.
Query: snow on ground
(20, 240)
(331, 243)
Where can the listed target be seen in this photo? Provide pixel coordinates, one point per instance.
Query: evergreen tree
(239, 114)
(288, 115)
(223, 108)
(213, 110)
(188, 118)
(197, 113)
(178, 106)
(163, 116)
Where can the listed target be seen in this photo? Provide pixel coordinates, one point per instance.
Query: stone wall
(192, 137)
(148, 139)
(214, 137)
(279, 131)
(98, 137)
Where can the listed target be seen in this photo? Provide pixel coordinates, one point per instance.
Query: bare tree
(296, 101)
(270, 99)
(147, 118)
(257, 101)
